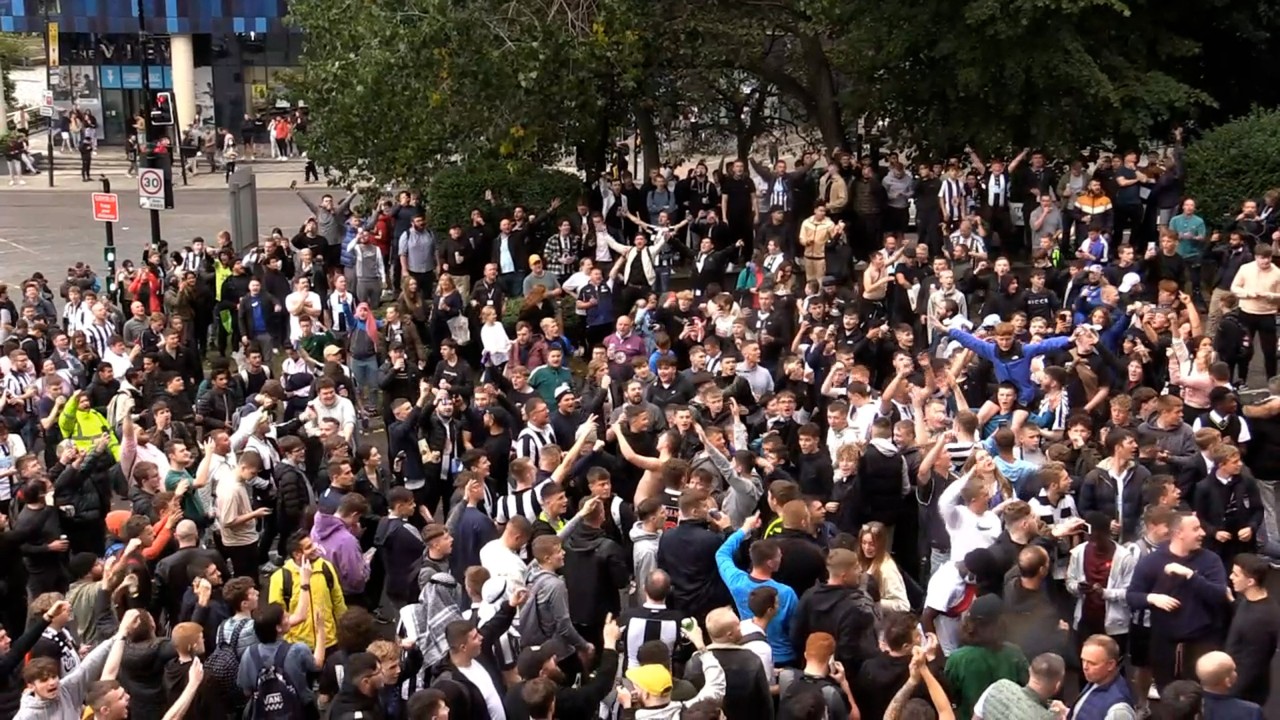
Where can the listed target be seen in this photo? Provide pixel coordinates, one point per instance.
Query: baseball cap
(828, 280)
(1094, 268)
(535, 259)
(529, 663)
(653, 679)
(986, 607)
(1129, 281)
(990, 321)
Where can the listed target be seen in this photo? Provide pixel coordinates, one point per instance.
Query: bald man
(171, 576)
(748, 688)
(1217, 673)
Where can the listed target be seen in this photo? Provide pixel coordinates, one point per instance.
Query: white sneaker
(22, 182)
(11, 183)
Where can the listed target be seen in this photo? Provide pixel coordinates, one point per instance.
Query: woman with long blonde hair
(873, 551)
(981, 465)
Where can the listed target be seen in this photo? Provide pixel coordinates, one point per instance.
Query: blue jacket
(347, 255)
(1099, 699)
(1015, 365)
(741, 584)
(1225, 707)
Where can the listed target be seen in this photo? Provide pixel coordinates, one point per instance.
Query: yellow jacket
(324, 595)
(84, 427)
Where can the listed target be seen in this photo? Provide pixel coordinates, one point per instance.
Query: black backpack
(222, 667)
(273, 695)
(286, 583)
(803, 686)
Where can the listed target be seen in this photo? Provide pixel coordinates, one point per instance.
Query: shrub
(1238, 160)
(454, 191)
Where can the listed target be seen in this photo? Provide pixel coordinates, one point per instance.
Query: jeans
(1264, 326)
(937, 558)
(1271, 527)
(1196, 278)
(662, 281)
(365, 372)
(512, 284)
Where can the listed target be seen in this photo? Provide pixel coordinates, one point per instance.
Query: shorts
(246, 139)
(1139, 646)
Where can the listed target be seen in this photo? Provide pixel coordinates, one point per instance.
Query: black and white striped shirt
(518, 503)
(99, 336)
(950, 190)
(508, 645)
(16, 383)
(192, 261)
(531, 440)
(646, 623)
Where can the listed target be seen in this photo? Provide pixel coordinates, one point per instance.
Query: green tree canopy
(399, 88)
(1235, 161)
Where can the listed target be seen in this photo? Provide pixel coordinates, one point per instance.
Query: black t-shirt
(1252, 641)
(739, 194)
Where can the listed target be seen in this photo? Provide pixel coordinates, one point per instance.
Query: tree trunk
(650, 146)
(754, 125)
(827, 112)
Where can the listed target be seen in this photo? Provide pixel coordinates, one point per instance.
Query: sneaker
(11, 182)
(22, 182)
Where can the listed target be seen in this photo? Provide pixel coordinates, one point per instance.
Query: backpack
(286, 582)
(803, 686)
(273, 695)
(222, 667)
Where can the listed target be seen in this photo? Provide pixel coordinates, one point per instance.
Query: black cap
(986, 607)
(529, 664)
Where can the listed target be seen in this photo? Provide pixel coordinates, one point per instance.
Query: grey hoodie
(329, 224)
(69, 705)
(644, 556)
(740, 499)
(546, 615)
(1180, 442)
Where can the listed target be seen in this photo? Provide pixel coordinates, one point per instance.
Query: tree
(399, 89)
(1236, 160)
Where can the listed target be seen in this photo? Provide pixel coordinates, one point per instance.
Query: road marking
(23, 248)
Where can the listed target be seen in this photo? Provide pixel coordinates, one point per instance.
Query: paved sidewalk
(270, 174)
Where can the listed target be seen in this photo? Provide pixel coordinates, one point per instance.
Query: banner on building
(53, 44)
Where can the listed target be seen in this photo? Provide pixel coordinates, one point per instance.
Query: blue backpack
(274, 696)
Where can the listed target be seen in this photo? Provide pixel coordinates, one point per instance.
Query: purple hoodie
(343, 550)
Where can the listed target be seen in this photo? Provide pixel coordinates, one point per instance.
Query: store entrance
(118, 110)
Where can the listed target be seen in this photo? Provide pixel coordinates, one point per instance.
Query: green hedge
(454, 191)
(1238, 160)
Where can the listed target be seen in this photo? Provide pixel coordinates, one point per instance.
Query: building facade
(221, 58)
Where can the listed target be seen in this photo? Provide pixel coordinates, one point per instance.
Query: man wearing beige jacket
(815, 233)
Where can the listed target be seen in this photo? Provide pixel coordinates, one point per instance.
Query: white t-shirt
(291, 302)
(946, 588)
(968, 531)
(480, 677)
(573, 285)
(502, 563)
(761, 648)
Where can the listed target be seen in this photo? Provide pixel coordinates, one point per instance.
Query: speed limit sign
(151, 189)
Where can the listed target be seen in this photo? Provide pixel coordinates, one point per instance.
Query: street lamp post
(49, 50)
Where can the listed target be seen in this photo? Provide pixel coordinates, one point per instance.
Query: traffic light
(162, 111)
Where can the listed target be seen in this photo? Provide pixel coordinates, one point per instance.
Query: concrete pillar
(184, 78)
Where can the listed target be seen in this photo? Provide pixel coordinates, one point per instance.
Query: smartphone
(1088, 529)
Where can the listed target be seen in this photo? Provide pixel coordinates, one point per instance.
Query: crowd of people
(760, 442)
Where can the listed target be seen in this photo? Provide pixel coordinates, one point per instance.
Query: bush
(456, 190)
(1238, 160)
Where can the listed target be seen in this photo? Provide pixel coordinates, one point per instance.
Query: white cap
(1128, 281)
(991, 320)
(493, 590)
